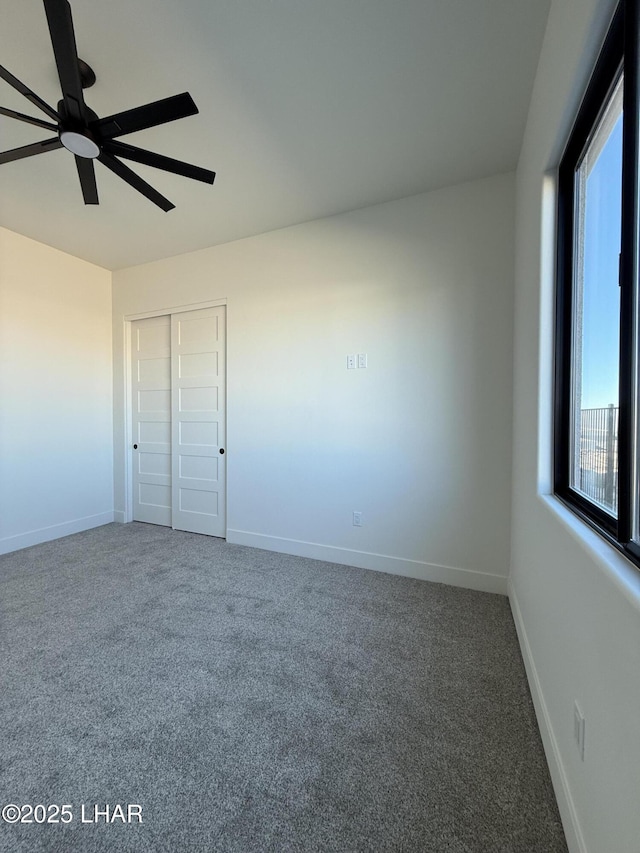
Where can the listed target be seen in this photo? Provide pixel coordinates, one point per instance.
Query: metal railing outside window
(599, 456)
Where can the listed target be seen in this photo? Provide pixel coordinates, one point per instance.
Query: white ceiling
(307, 108)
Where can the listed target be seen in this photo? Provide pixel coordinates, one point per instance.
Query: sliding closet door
(151, 406)
(198, 421)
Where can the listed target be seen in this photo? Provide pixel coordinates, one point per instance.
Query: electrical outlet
(351, 362)
(578, 729)
(362, 359)
(357, 519)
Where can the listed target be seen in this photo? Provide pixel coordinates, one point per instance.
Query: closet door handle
(135, 446)
(221, 450)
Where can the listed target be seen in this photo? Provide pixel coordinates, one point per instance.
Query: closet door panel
(198, 421)
(151, 408)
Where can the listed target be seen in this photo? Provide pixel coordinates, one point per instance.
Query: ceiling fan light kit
(88, 137)
(80, 143)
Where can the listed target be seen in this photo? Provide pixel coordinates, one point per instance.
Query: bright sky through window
(601, 292)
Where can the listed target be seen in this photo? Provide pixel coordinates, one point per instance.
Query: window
(596, 390)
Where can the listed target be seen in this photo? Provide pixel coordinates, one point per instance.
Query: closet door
(151, 406)
(198, 421)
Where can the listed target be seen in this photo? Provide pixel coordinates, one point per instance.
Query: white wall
(576, 601)
(420, 441)
(56, 437)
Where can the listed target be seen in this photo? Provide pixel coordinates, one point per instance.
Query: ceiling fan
(88, 137)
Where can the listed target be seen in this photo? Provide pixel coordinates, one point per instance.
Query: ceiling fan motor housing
(76, 135)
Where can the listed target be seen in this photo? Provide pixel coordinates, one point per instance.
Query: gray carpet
(250, 701)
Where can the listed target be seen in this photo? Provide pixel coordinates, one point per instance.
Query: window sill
(614, 564)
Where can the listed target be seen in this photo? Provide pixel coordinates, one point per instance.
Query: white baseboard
(480, 581)
(568, 814)
(46, 534)
(120, 517)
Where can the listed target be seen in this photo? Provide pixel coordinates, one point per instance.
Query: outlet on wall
(357, 519)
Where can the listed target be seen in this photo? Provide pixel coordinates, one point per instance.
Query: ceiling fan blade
(30, 150)
(158, 161)
(149, 115)
(87, 175)
(63, 41)
(19, 86)
(29, 119)
(135, 181)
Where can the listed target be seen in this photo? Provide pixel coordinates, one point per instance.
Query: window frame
(620, 51)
